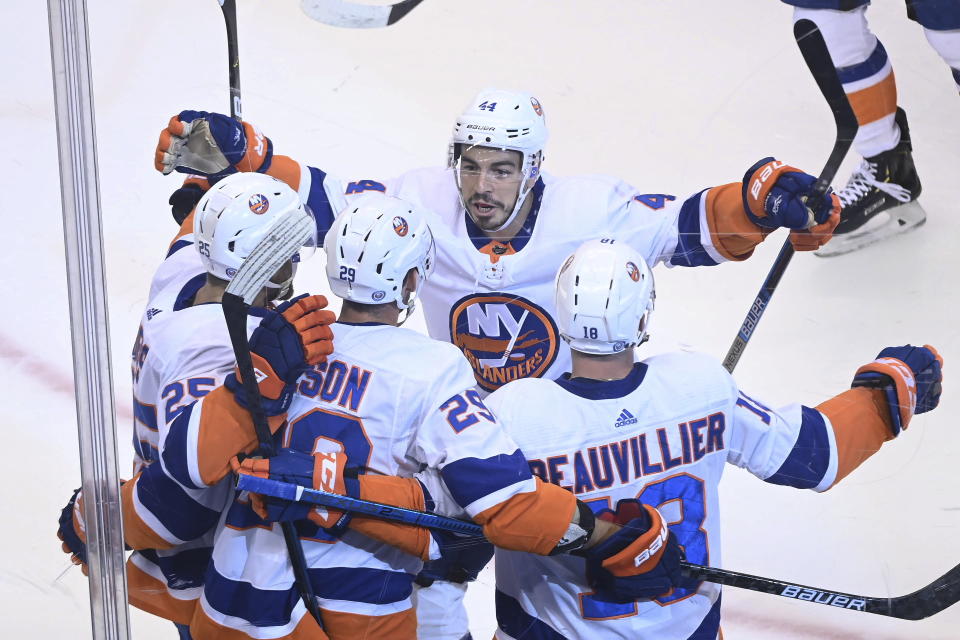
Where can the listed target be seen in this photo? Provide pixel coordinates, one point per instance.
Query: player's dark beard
(477, 199)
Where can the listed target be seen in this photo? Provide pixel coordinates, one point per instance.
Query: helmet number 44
(486, 105)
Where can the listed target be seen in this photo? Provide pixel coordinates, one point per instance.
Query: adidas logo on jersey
(152, 312)
(625, 418)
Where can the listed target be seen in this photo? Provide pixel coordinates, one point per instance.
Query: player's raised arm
(209, 146)
(726, 222)
(814, 448)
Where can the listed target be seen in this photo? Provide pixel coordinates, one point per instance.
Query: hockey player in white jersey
(387, 401)
(502, 225)
(182, 352)
(615, 432)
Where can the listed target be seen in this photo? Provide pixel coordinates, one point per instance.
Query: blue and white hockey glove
(641, 560)
(72, 532)
(462, 559)
(775, 195)
(323, 471)
(911, 378)
(211, 144)
(288, 341)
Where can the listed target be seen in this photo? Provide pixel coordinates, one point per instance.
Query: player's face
(489, 184)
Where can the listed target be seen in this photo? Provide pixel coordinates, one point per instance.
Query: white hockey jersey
(495, 301)
(396, 402)
(181, 353)
(662, 435)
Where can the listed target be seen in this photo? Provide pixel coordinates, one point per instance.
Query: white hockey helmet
(605, 294)
(501, 119)
(236, 214)
(372, 246)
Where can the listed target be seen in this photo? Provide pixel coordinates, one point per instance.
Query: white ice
(672, 96)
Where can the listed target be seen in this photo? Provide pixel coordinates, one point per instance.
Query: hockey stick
(931, 599)
(262, 263)
(229, 9)
(817, 57)
(352, 15)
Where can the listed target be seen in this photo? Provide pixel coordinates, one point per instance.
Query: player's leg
(441, 614)
(879, 198)
(941, 24)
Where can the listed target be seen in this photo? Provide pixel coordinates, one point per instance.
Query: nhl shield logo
(504, 337)
(258, 203)
(400, 226)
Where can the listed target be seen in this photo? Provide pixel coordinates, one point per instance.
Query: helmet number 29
(348, 273)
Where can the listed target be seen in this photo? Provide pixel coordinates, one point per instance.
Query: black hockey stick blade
(354, 15)
(923, 603)
(271, 253)
(817, 56)
(229, 9)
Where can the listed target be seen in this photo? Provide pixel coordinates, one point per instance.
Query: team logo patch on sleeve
(504, 337)
(400, 226)
(258, 203)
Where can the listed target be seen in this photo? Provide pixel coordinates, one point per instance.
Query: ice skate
(879, 200)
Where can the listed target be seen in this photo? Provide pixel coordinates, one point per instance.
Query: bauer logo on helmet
(258, 203)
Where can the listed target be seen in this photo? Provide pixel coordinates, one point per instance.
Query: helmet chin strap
(407, 308)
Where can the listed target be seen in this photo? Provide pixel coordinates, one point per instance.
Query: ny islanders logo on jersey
(258, 203)
(400, 226)
(633, 271)
(505, 337)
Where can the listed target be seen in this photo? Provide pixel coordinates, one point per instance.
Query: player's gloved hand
(462, 559)
(641, 560)
(776, 195)
(211, 144)
(183, 200)
(323, 471)
(910, 377)
(288, 341)
(72, 532)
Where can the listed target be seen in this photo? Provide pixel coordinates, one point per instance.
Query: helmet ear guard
(506, 120)
(604, 298)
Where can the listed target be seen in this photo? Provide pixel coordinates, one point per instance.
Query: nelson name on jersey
(645, 454)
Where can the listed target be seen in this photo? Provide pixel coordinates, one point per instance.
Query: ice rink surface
(671, 96)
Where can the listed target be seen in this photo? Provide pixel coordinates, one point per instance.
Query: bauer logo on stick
(258, 203)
